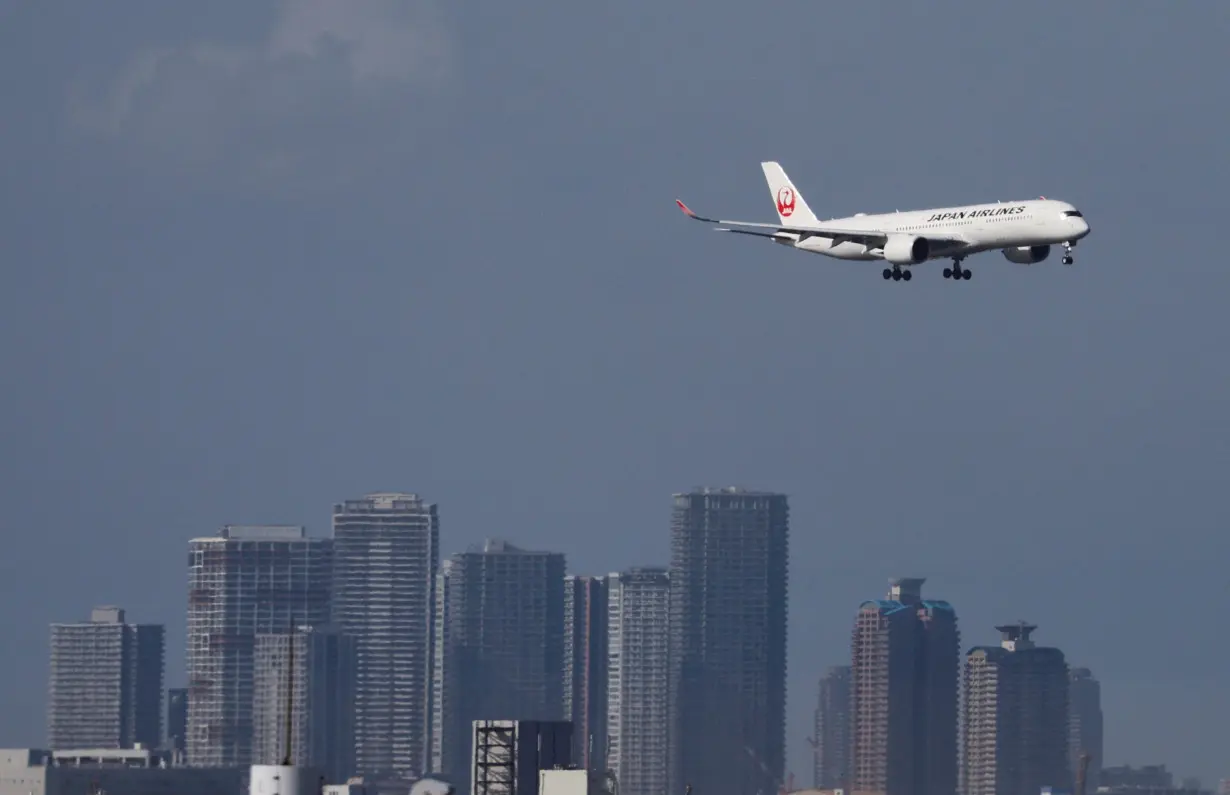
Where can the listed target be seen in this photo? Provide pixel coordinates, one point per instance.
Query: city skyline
(930, 616)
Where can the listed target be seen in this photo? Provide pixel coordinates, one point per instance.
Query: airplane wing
(868, 237)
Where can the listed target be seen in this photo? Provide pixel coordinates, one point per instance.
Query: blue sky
(260, 257)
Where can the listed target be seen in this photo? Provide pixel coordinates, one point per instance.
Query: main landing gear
(955, 271)
(1067, 253)
(896, 274)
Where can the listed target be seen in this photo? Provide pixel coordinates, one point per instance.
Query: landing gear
(1067, 253)
(955, 271)
(896, 274)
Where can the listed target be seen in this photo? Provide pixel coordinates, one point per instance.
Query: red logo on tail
(785, 201)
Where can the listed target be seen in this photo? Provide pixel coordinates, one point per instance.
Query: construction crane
(1082, 771)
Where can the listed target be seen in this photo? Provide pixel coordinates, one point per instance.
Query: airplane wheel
(896, 276)
(966, 274)
(947, 273)
(907, 275)
(888, 274)
(1067, 260)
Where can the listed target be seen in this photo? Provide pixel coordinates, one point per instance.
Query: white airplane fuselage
(1023, 231)
(984, 227)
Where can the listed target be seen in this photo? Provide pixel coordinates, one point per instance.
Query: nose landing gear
(1067, 253)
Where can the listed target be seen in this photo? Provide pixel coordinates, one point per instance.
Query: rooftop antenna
(290, 689)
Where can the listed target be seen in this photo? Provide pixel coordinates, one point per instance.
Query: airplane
(1024, 231)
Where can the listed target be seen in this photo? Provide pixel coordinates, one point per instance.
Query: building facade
(729, 579)
(884, 660)
(247, 580)
(105, 688)
(937, 714)
(1085, 725)
(905, 678)
(831, 742)
(387, 554)
(1015, 732)
(585, 668)
(501, 640)
(313, 671)
(638, 689)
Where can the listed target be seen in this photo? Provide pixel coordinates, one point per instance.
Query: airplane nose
(1084, 228)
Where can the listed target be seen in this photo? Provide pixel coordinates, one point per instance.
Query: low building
(133, 771)
(563, 782)
(509, 754)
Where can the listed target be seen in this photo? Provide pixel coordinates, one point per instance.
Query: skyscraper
(883, 662)
(245, 581)
(1085, 724)
(1016, 717)
(937, 712)
(502, 646)
(638, 693)
(585, 668)
(832, 739)
(387, 554)
(105, 683)
(728, 575)
(321, 699)
(905, 669)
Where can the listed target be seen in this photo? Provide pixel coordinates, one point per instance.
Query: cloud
(333, 90)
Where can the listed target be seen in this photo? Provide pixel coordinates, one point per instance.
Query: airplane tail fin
(791, 208)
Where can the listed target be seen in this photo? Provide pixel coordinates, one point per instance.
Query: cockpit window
(1072, 214)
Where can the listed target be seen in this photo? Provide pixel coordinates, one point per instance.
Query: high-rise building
(177, 720)
(320, 667)
(883, 661)
(585, 668)
(501, 637)
(106, 683)
(387, 554)
(728, 574)
(832, 738)
(1085, 724)
(245, 581)
(1015, 729)
(905, 673)
(937, 711)
(442, 703)
(638, 690)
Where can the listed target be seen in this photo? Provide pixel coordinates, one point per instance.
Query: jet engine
(906, 249)
(1027, 255)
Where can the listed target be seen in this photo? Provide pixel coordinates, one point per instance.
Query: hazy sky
(260, 257)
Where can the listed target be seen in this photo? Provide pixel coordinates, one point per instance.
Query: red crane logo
(785, 201)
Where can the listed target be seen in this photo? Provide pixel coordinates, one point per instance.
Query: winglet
(685, 209)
